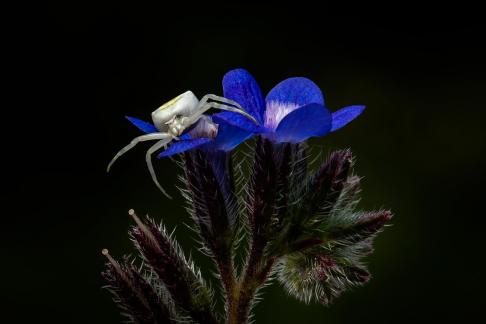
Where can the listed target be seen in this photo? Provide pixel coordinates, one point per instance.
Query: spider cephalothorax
(175, 117)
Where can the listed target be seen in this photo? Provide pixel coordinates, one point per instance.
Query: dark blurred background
(79, 68)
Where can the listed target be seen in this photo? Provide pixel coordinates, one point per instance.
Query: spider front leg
(148, 158)
(135, 141)
(227, 104)
(205, 99)
(195, 117)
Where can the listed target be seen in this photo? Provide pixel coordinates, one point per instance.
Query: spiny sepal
(325, 199)
(321, 275)
(356, 228)
(134, 294)
(210, 194)
(323, 189)
(181, 279)
(324, 238)
(321, 268)
(212, 204)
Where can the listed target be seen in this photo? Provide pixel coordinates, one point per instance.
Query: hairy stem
(245, 293)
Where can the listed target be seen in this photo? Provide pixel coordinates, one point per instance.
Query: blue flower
(293, 110)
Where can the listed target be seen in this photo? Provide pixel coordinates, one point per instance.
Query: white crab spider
(173, 118)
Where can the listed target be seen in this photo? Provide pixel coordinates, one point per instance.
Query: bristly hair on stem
(300, 226)
(137, 298)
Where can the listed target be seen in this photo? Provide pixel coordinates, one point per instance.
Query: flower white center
(276, 111)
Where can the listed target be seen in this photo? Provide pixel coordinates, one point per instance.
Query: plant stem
(230, 285)
(255, 275)
(245, 293)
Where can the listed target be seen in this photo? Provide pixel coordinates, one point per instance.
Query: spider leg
(194, 118)
(205, 99)
(135, 141)
(229, 108)
(148, 159)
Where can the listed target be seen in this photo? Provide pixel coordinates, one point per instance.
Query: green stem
(255, 275)
(245, 294)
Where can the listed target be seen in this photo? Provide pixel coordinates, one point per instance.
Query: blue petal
(182, 146)
(302, 123)
(299, 91)
(345, 115)
(240, 86)
(237, 120)
(142, 125)
(185, 136)
(228, 138)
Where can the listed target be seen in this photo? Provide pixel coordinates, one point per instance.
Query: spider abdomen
(183, 105)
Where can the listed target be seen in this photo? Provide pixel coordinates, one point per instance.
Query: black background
(74, 71)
